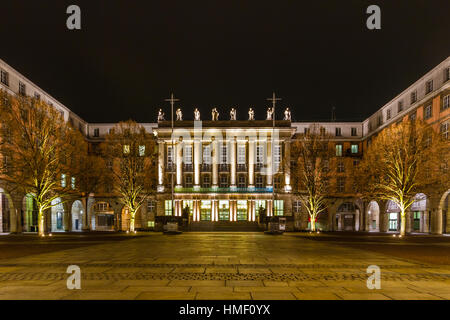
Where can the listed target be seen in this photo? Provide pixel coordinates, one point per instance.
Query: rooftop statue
(160, 115)
(196, 114)
(287, 114)
(215, 114)
(269, 113)
(251, 114)
(179, 115)
(233, 114)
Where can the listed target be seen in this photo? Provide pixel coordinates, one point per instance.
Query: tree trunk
(402, 223)
(313, 224)
(132, 214)
(85, 221)
(41, 226)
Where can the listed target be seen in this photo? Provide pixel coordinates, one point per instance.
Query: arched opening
(57, 216)
(444, 212)
(347, 217)
(373, 216)
(393, 212)
(30, 214)
(419, 215)
(5, 212)
(102, 218)
(77, 216)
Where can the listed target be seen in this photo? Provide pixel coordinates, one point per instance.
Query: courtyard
(225, 265)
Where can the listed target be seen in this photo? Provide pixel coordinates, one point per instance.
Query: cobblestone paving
(219, 266)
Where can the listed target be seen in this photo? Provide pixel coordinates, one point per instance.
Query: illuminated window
(241, 214)
(354, 148)
(259, 154)
(260, 206)
(63, 180)
(297, 206)
(126, 149)
(205, 210)
(259, 181)
(207, 154)
(206, 181)
(168, 207)
(224, 210)
(277, 155)
(169, 155)
(190, 205)
(188, 154)
(151, 224)
(72, 182)
(339, 150)
(446, 102)
(241, 154)
(151, 205)
(141, 151)
(278, 207)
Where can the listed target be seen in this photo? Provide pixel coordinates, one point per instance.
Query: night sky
(130, 55)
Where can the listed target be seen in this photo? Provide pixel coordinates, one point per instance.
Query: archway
(373, 216)
(77, 215)
(30, 214)
(102, 217)
(444, 213)
(5, 211)
(347, 217)
(57, 216)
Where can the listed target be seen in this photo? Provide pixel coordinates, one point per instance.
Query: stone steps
(223, 226)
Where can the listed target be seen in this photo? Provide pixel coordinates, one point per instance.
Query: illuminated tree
(132, 152)
(401, 161)
(39, 151)
(311, 150)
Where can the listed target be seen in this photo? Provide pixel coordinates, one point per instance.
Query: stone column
(179, 161)
(269, 167)
(215, 210)
(251, 163)
(269, 204)
(161, 148)
(197, 153)
(215, 164)
(287, 166)
(233, 161)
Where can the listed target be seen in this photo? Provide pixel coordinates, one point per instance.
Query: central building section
(224, 171)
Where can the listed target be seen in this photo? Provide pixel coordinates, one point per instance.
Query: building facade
(227, 173)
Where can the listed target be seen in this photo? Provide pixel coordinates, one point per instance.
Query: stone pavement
(220, 266)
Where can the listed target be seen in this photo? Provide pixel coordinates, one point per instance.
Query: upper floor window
(4, 77)
(207, 154)
(306, 131)
(339, 150)
(206, 181)
(340, 166)
(413, 96)
(354, 148)
(141, 151)
(380, 120)
(340, 186)
(241, 181)
(188, 154)
(37, 96)
(278, 207)
(354, 132)
(72, 182)
(126, 149)
(96, 132)
(297, 206)
(400, 106)
(277, 182)
(259, 181)
(427, 112)
(428, 86)
(322, 130)
(223, 154)
(338, 132)
(413, 116)
(277, 154)
(151, 205)
(188, 181)
(22, 88)
(224, 181)
(169, 154)
(446, 102)
(259, 154)
(444, 129)
(388, 114)
(241, 154)
(446, 74)
(63, 180)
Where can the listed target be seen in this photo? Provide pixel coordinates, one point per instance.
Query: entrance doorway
(205, 210)
(224, 210)
(241, 210)
(393, 221)
(416, 225)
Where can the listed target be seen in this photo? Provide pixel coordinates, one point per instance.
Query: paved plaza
(221, 266)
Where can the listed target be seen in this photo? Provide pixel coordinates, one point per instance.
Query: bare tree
(132, 151)
(39, 151)
(401, 161)
(311, 150)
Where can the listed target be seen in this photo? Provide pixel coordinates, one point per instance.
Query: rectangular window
(72, 183)
(428, 86)
(446, 74)
(306, 131)
(354, 148)
(276, 157)
(340, 166)
(241, 154)
(278, 207)
(259, 181)
(259, 154)
(207, 154)
(354, 132)
(241, 213)
(151, 224)
(190, 205)
(188, 181)
(96, 132)
(338, 132)
(4, 77)
(206, 181)
(151, 205)
(188, 154)
(22, 88)
(277, 182)
(400, 106)
(297, 206)
(428, 112)
(413, 96)
(141, 151)
(388, 114)
(340, 184)
(169, 155)
(444, 129)
(168, 207)
(446, 102)
(339, 150)
(223, 155)
(260, 206)
(223, 181)
(241, 181)
(37, 96)
(413, 116)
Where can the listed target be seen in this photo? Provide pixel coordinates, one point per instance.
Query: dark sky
(130, 55)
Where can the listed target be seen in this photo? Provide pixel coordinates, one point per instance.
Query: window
(141, 151)
(223, 154)
(101, 207)
(446, 74)
(259, 181)
(4, 77)
(109, 163)
(223, 181)
(428, 112)
(278, 207)
(207, 154)
(338, 132)
(340, 166)
(241, 181)
(276, 157)
(259, 154)
(444, 130)
(306, 131)
(63, 180)
(169, 155)
(22, 88)
(188, 154)
(297, 206)
(72, 183)
(206, 181)
(277, 182)
(445, 102)
(380, 120)
(354, 148)
(400, 106)
(354, 132)
(340, 184)
(339, 150)
(388, 114)
(322, 130)
(96, 132)
(37, 96)
(126, 149)
(428, 86)
(151, 205)
(151, 224)
(413, 116)
(413, 96)
(260, 206)
(168, 207)
(188, 181)
(355, 163)
(241, 154)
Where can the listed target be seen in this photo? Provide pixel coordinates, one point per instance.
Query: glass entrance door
(205, 210)
(393, 221)
(224, 210)
(417, 215)
(241, 210)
